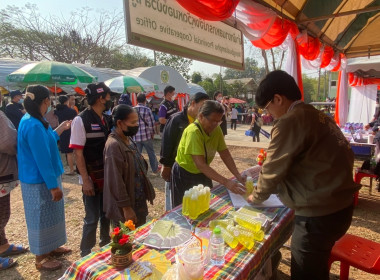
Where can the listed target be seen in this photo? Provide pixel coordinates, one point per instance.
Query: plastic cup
(192, 264)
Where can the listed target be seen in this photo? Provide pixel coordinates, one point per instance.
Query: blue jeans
(93, 206)
(148, 145)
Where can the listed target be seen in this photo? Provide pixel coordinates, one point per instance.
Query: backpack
(259, 120)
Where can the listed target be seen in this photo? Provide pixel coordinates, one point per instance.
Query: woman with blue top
(40, 170)
(199, 143)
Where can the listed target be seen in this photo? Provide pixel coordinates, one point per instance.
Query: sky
(64, 7)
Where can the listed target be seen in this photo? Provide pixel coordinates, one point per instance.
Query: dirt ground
(365, 221)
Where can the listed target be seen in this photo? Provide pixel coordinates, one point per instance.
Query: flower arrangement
(261, 157)
(121, 239)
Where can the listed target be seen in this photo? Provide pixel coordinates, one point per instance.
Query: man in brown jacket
(309, 165)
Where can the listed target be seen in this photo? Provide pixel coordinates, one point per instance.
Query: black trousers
(233, 124)
(182, 180)
(312, 241)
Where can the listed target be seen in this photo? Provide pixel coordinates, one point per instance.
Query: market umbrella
(236, 100)
(50, 72)
(3, 90)
(131, 84)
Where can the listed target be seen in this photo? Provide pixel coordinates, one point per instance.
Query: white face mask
(219, 99)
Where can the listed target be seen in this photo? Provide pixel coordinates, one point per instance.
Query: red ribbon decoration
(310, 49)
(327, 55)
(213, 10)
(276, 34)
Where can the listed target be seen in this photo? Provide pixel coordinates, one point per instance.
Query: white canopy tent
(363, 98)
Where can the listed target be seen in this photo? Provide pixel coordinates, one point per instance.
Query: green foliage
(196, 78)
(181, 64)
(208, 86)
(252, 70)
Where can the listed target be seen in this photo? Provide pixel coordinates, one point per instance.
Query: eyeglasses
(266, 106)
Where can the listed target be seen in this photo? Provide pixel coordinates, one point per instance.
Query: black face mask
(108, 105)
(132, 130)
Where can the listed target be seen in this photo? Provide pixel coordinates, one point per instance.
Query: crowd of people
(309, 165)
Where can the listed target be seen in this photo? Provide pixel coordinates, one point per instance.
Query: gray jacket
(8, 150)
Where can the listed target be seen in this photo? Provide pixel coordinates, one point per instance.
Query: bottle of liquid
(193, 206)
(258, 235)
(217, 247)
(244, 237)
(222, 222)
(208, 197)
(249, 186)
(185, 203)
(247, 222)
(202, 200)
(228, 237)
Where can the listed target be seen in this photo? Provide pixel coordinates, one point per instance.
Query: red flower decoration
(116, 230)
(123, 240)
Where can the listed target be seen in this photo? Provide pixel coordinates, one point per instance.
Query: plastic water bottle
(247, 222)
(217, 247)
(228, 237)
(249, 187)
(221, 222)
(258, 235)
(185, 203)
(244, 237)
(193, 206)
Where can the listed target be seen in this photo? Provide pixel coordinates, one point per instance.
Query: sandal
(48, 264)
(7, 263)
(60, 251)
(13, 250)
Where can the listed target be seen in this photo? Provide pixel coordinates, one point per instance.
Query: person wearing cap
(64, 113)
(172, 135)
(89, 133)
(145, 134)
(309, 165)
(125, 99)
(15, 110)
(167, 107)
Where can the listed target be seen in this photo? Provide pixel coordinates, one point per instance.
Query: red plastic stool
(358, 178)
(358, 252)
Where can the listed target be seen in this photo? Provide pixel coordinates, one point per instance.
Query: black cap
(14, 93)
(97, 89)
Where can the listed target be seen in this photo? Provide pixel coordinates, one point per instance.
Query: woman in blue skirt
(40, 170)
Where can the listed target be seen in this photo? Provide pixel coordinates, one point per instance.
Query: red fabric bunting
(309, 49)
(276, 34)
(327, 55)
(337, 67)
(336, 117)
(357, 81)
(214, 10)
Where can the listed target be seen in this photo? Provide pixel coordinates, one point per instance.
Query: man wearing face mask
(167, 107)
(89, 132)
(15, 110)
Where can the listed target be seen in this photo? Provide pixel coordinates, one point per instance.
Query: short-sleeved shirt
(78, 134)
(234, 113)
(193, 143)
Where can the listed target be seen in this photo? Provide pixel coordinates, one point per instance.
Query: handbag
(6, 188)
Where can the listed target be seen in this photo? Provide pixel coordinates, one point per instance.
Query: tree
(83, 37)
(196, 78)
(208, 86)
(252, 70)
(309, 88)
(181, 64)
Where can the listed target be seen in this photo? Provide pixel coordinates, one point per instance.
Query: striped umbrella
(131, 84)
